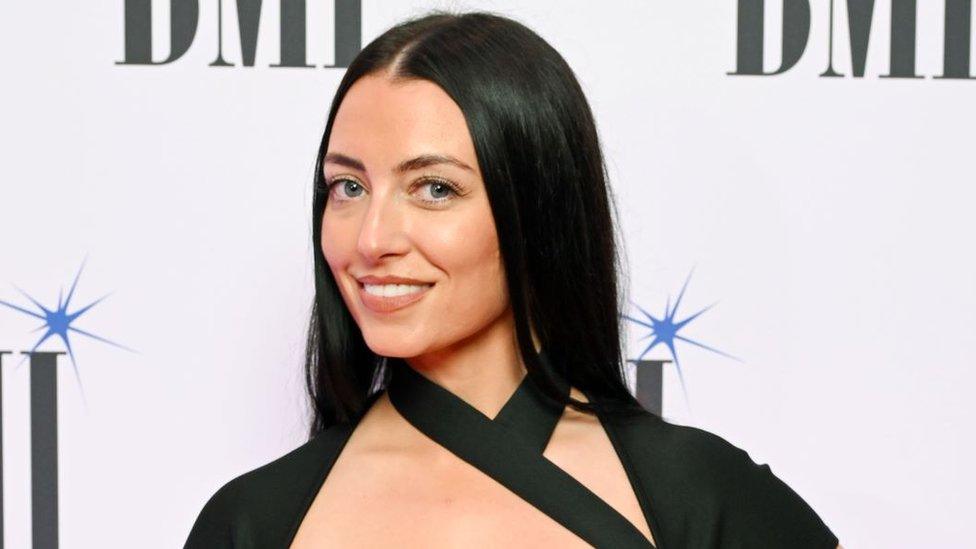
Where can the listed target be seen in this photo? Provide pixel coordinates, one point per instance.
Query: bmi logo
(292, 23)
(57, 322)
(664, 330)
(956, 38)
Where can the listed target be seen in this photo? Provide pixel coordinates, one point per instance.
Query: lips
(390, 279)
(388, 304)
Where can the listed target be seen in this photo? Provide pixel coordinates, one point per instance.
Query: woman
(464, 348)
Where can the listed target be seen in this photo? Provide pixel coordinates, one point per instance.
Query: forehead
(384, 122)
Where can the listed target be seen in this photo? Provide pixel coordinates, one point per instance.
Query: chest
(382, 499)
(418, 509)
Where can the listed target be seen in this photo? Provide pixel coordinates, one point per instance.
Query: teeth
(393, 290)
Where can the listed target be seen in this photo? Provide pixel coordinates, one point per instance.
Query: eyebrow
(415, 163)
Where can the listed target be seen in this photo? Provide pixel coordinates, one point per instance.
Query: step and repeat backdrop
(795, 187)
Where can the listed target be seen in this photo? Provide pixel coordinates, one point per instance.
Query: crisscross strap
(511, 460)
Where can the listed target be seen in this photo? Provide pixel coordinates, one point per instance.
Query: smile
(385, 298)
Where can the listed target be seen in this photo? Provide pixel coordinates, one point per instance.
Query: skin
(460, 335)
(386, 223)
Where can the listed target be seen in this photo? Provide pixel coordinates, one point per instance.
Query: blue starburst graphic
(58, 321)
(665, 330)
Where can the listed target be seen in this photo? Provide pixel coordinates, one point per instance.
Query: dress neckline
(527, 413)
(509, 449)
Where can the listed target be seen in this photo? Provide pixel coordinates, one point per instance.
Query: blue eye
(438, 187)
(348, 185)
(441, 190)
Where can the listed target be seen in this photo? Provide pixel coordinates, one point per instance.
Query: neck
(483, 369)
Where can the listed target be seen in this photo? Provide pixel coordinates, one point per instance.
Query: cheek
(331, 243)
(468, 254)
(338, 247)
(340, 232)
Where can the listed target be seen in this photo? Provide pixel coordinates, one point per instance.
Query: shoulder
(680, 452)
(700, 482)
(703, 464)
(260, 506)
(683, 450)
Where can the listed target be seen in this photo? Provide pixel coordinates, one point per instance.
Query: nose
(382, 231)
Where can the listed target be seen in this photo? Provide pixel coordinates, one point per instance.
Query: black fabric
(512, 457)
(696, 490)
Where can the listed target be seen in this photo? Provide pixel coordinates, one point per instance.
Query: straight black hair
(544, 173)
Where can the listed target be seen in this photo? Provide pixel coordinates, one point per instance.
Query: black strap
(510, 459)
(529, 414)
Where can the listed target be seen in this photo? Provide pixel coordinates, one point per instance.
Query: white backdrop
(827, 218)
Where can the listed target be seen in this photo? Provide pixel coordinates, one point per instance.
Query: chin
(395, 346)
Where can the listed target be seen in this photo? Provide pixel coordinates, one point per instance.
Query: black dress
(695, 489)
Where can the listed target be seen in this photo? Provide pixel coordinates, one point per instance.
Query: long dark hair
(544, 173)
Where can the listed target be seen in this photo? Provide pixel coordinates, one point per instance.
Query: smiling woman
(464, 354)
(406, 204)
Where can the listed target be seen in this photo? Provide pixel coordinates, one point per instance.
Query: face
(407, 231)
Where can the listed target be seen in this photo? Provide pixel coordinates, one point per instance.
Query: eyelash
(330, 183)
